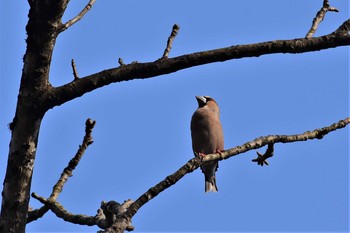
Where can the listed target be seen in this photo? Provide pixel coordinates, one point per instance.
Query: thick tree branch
(260, 142)
(344, 29)
(78, 17)
(319, 17)
(77, 88)
(67, 172)
(44, 20)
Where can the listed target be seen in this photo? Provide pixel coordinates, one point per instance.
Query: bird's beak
(201, 100)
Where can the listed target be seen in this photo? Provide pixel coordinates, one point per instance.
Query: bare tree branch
(75, 72)
(114, 217)
(77, 88)
(67, 172)
(171, 38)
(194, 163)
(61, 212)
(121, 62)
(107, 215)
(319, 17)
(265, 140)
(78, 17)
(344, 29)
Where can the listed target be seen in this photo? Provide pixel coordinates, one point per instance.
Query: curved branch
(61, 212)
(57, 96)
(194, 163)
(78, 17)
(106, 217)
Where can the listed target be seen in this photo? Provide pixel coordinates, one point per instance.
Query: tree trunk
(42, 30)
(19, 172)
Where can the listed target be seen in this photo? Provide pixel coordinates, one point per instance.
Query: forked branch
(67, 172)
(319, 17)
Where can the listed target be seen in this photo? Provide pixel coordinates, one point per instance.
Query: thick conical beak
(201, 100)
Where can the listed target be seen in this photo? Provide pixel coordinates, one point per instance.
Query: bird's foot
(202, 155)
(219, 151)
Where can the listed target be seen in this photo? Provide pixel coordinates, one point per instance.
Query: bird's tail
(210, 184)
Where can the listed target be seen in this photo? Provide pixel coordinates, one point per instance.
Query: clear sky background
(142, 132)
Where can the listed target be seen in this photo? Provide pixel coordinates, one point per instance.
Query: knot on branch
(111, 215)
(262, 158)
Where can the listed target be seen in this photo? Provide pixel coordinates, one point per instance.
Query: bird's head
(204, 101)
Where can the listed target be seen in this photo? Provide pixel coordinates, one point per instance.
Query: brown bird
(207, 137)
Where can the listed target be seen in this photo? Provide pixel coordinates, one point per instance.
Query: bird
(207, 137)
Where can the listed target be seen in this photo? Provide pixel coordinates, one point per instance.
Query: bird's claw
(219, 151)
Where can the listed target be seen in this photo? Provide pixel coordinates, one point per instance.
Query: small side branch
(319, 17)
(67, 172)
(78, 17)
(171, 38)
(121, 62)
(75, 72)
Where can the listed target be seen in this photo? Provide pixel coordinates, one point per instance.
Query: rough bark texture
(44, 17)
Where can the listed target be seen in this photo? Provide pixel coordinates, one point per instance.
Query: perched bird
(207, 137)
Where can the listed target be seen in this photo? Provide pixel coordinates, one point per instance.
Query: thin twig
(319, 17)
(121, 62)
(171, 38)
(67, 172)
(75, 72)
(78, 17)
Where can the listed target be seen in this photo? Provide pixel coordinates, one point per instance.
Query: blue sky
(142, 132)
